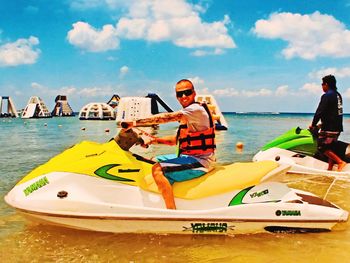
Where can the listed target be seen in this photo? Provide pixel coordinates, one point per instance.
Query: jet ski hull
(141, 225)
(91, 203)
(300, 163)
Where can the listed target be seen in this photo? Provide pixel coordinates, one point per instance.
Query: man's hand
(127, 124)
(314, 130)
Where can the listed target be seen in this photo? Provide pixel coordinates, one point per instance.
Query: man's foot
(341, 166)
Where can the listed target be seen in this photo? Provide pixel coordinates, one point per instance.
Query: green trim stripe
(237, 199)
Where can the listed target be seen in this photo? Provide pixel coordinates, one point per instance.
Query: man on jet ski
(195, 139)
(330, 112)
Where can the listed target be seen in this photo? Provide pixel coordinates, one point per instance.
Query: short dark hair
(185, 80)
(331, 81)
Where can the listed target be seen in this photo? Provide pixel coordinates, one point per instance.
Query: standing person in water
(330, 112)
(195, 138)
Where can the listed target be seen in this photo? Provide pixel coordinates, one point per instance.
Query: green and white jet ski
(298, 148)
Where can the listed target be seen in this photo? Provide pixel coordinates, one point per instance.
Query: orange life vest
(193, 143)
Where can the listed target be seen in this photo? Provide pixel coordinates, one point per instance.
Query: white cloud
(202, 91)
(175, 21)
(308, 36)
(201, 53)
(154, 20)
(346, 94)
(311, 88)
(35, 85)
(67, 90)
(123, 71)
(85, 4)
(95, 92)
(93, 4)
(255, 93)
(337, 72)
(200, 8)
(88, 38)
(111, 58)
(201, 88)
(230, 92)
(196, 81)
(20, 52)
(132, 29)
(70, 90)
(282, 90)
(74, 92)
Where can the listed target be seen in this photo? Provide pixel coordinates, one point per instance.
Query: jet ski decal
(288, 213)
(103, 172)
(237, 199)
(260, 194)
(128, 170)
(208, 227)
(36, 185)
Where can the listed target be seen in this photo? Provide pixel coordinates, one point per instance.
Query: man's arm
(321, 109)
(158, 119)
(168, 140)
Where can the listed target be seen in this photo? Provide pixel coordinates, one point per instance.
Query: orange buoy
(239, 146)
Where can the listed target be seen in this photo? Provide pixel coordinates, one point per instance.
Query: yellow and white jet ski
(101, 187)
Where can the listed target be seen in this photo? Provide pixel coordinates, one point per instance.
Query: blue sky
(251, 55)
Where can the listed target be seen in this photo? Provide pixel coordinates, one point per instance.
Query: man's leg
(336, 158)
(164, 186)
(330, 164)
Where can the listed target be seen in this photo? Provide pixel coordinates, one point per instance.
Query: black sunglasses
(186, 92)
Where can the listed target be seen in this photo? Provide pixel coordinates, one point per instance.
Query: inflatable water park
(100, 110)
(114, 101)
(9, 111)
(62, 107)
(35, 108)
(132, 108)
(97, 111)
(117, 108)
(218, 117)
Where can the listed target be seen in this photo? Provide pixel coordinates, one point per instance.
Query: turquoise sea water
(26, 144)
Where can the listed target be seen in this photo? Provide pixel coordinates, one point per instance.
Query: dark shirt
(330, 112)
